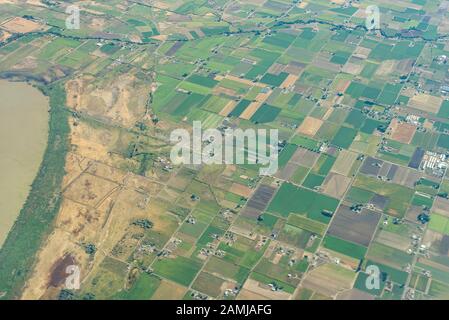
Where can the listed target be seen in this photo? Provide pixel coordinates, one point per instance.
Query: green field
(307, 224)
(142, 289)
(292, 199)
(110, 194)
(344, 137)
(345, 247)
(398, 203)
(180, 269)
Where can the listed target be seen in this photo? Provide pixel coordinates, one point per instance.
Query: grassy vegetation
(144, 287)
(209, 70)
(313, 181)
(394, 257)
(286, 154)
(347, 248)
(291, 199)
(265, 113)
(267, 280)
(36, 217)
(180, 269)
(344, 137)
(307, 224)
(439, 223)
(227, 269)
(393, 274)
(398, 203)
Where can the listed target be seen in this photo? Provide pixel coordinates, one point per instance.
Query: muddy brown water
(23, 139)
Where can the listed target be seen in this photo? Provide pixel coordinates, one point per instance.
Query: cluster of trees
(143, 223)
(66, 294)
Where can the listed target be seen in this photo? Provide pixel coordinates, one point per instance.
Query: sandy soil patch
(344, 162)
(58, 245)
(328, 281)
(98, 24)
(4, 35)
(402, 132)
(352, 68)
(251, 110)
(228, 108)
(169, 291)
(361, 52)
(259, 289)
(386, 68)
(226, 91)
(342, 85)
(289, 81)
(164, 5)
(100, 201)
(93, 143)
(249, 295)
(310, 126)
(81, 222)
(110, 173)
(21, 25)
(161, 37)
(336, 185)
(241, 190)
(28, 63)
(90, 190)
(142, 184)
(254, 106)
(121, 99)
(123, 209)
(426, 102)
(74, 166)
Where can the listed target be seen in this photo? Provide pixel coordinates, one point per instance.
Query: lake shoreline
(24, 126)
(35, 220)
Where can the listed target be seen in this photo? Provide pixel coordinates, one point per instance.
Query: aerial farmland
(361, 115)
